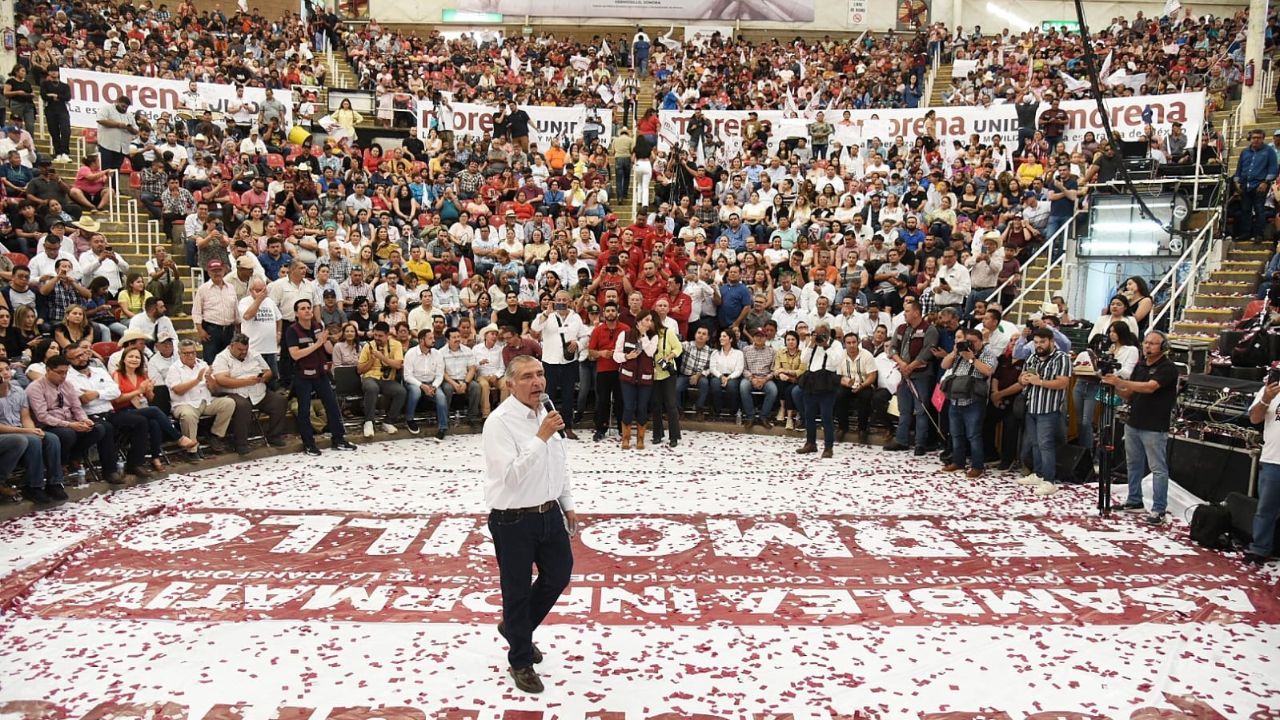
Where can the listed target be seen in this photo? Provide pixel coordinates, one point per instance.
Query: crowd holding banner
(549, 124)
(151, 96)
(951, 123)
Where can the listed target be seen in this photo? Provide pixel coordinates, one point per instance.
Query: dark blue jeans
(520, 542)
(966, 433)
(1264, 522)
(635, 403)
(912, 407)
(819, 406)
(41, 456)
(704, 389)
(1045, 433)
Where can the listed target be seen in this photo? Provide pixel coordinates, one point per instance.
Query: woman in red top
(136, 394)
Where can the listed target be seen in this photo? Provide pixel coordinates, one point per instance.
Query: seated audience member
(380, 364)
(423, 377)
(55, 407)
(137, 392)
(460, 374)
(245, 376)
(191, 385)
(40, 452)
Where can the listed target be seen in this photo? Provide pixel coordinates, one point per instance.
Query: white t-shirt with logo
(1270, 429)
(262, 328)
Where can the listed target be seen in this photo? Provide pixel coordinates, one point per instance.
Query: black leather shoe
(895, 446)
(526, 679)
(537, 654)
(277, 442)
(36, 495)
(1254, 558)
(57, 493)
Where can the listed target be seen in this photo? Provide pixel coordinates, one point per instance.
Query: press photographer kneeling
(969, 367)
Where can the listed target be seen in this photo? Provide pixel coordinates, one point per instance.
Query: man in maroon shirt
(517, 345)
(600, 348)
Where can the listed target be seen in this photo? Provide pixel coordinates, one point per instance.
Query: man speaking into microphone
(530, 511)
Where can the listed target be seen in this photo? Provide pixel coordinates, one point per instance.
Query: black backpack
(1211, 526)
(1251, 352)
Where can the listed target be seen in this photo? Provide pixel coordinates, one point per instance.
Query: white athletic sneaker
(368, 428)
(1032, 479)
(63, 158)
(388, 428)
(1045, 489)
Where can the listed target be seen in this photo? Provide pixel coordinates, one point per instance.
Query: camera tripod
(1105, 447)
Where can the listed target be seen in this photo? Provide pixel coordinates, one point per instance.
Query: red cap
(610, 217)
(216, 264)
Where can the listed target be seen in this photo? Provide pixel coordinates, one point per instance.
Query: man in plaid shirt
(694, 363)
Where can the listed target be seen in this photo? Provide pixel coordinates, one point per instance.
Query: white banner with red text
(951, 123)
(152, 96)
(547, 124)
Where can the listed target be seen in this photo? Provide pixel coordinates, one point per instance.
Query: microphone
(546, 405)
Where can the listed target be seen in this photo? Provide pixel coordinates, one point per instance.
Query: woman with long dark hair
(634, 354)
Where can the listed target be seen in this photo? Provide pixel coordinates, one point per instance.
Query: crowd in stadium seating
(1142, 56)
(799, 283)
(150, 40)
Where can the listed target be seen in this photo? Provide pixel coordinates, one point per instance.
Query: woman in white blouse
(1123, 345)
(725, 371)
(1117, 312)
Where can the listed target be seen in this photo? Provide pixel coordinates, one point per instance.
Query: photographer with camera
(561, 331)
(968, 367)
(818, 386)
(1151, 393)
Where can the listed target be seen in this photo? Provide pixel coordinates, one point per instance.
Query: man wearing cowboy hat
(490, 367)
(1047, 317)
(984, 269)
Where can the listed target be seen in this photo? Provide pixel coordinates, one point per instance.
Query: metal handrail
(1193, 275)
(1191, 247)
(1022, 296)
(1046, 245)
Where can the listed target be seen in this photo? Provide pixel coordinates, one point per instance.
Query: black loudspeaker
(1075, 464)
(1208, 470)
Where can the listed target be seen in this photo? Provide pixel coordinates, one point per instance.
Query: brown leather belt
(535, 510)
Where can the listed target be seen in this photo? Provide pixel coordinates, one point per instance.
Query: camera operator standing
(1266, 409)
(1151, 392)
(818, 387)
(970, 366)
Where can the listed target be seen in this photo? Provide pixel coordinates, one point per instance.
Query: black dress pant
(562, 380)
(59, 121)
(849, 402)
(608, 399)
(522, 541)
(664, 401)
(136, 429)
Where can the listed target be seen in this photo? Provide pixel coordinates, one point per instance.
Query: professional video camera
(1106, 363)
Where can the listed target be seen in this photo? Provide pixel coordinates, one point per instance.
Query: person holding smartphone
(1266, 410)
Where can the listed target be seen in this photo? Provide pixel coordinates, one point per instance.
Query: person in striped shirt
(1044, 379)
